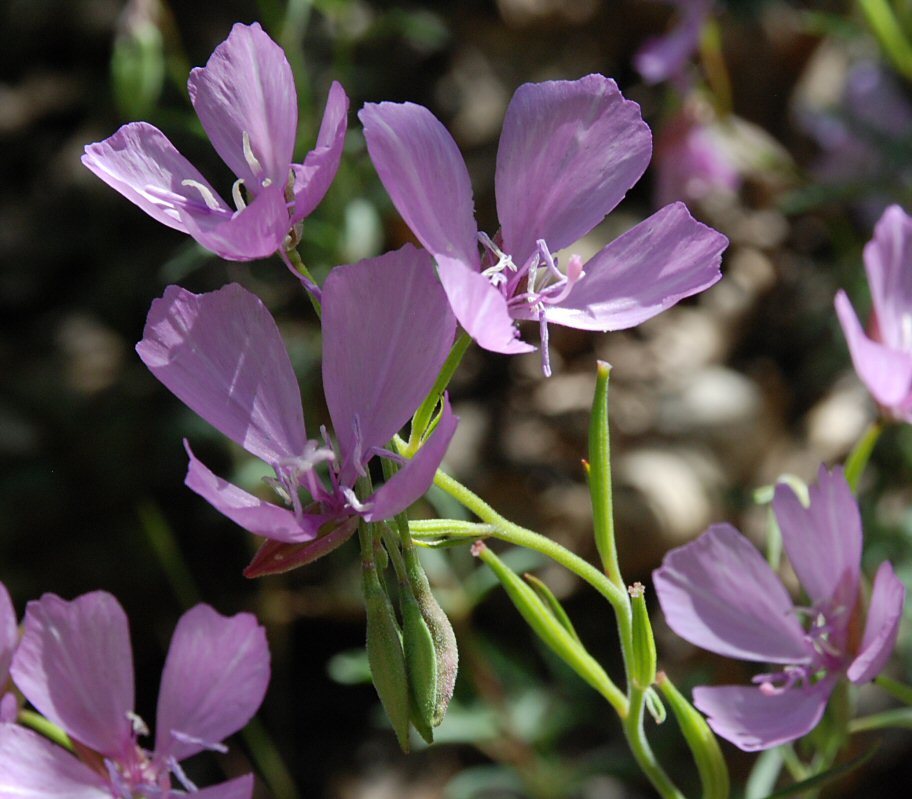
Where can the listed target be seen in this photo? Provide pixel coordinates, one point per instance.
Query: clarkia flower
(387, 329)
(883, 359)
(719, 593)
(568, 153)
(9, 639)
(75, 665)
(246, 101)
(665, 57)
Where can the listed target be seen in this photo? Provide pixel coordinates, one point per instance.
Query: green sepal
(420, 662)
(700, 739)
(643, 656)
(598, 472)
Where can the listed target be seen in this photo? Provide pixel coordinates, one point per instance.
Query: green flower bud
(643, 657)
(420, 662)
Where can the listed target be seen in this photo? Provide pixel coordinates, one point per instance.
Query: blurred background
(790, 129)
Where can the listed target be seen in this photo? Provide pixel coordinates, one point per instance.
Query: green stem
(715, 68)
(861, 454)
(451, 528)
(888, 32)
(896, 689)
(422, 417)
(295, 260)
(898, 718)
(506, 530)
(642, 751)
(45, 728)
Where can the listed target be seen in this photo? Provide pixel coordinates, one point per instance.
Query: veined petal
(415, 477)
(480, 308)
(221, 354)
(752, 721)
(274, 557)
(141, 163)
(214, 680)
(255, 232)
(568, 153)
(886, 372)
(246, 91)
(888, 262)
(882, 626)
(425, 176)
(719, 593)
(75, 665)
(238, 788)
(387, 329)
(250, 512)
(665, 57)
(648, 269)
(9, 634)
(314, 176)
(823, 541)
(31, 767)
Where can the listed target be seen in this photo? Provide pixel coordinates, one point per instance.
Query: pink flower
(9, 639)
(75, 665)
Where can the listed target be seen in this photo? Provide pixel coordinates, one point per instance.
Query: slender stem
(506, 530)
(452, 528)
(896, 689)
(861, 454)
(37, 722)
(898, 718)
(793, 763)
(642, 751)
(294, 262)
(714, 65)
(422, 417)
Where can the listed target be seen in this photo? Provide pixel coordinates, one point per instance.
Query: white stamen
(139, 726)
(266, 183)
(236, 195)
(504, 261)
(255, 166)
(208, 197)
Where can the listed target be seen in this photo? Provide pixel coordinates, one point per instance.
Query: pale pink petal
(31, 767)
(720, 594)
(568, 153)
(425, 176)
(752, 720)
(888, 262)
(238, 788)
(221, 354)
(214, 680)
(665, 57)
(250, 512)
(247, 88)
(480, 308)
(823, 541)
(9, 634)
(9, 707)
(886, 372)
(314, 176)
(75, 665)
(882, 626)
(648, 269)
(414, 478)
(387, 329)
(141, 163)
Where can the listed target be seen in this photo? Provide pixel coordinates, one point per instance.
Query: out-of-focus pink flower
(719, 593)
(883, 359)
(665, 57)
(75, 665)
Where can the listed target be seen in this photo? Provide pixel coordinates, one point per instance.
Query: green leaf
(825, 777)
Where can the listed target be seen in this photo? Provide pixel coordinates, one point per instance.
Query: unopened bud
(420, 662)
(643, 657)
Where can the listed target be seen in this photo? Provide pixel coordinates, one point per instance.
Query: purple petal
(31, 767)
(255, 232)
(887, 373)
(247, 88)
(75, 665)
(425, 176)
(643, 272)
(274, 557)
(823, 541)
(882, 626)
(411, 482)
(888, 262)
(480, 308)
(221, 354)
(719, 593)
(214, 680)
(250, 512)
(387, 329)
(238, 788)
(9, 634)
(314, 176)
(665, 57)
(141, 163)
(568, 153)
(751, 720)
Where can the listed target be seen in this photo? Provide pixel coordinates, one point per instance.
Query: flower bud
(420, 663)
(643, 657)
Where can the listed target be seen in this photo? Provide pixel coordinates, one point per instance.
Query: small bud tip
(477, 548)
(636, 590)
(603, 368)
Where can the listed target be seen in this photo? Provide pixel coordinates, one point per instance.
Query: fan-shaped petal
(882, 626)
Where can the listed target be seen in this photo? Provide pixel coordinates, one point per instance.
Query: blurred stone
(529, 12)
(476, 93)
(565, 392)
(465, 448)
(836, 422)
(94, 353)
(712, 399)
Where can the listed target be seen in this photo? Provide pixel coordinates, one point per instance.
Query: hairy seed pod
(420, 662)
